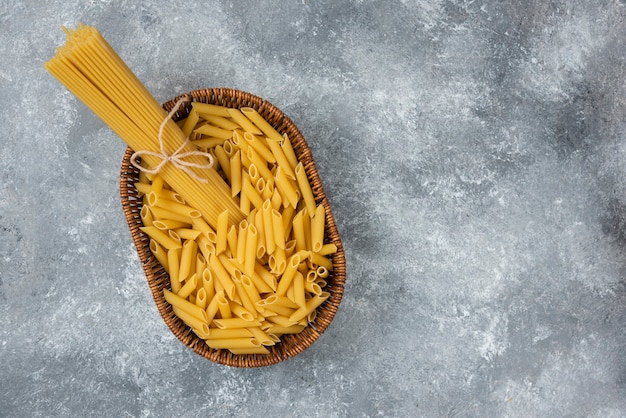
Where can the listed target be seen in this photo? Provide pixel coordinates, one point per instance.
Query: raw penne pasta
(185, 305)
(190, 286)
(190, 122)
(221, 233)
(230, 323)
(243, 121)
(146, 216)
(317, 229)
(287, 148)
(214, 131)
(288, 275)
(160, 213)
(260, 147)
(165, 224)
(250, 250)
(305, 189)
(222, 275)
(162, 238)
(192, 321)
(159, 253)
(327, 249)
(241, 312)
(210, 109)
(187, 259)
(201, 225)
(261, 123)
(221, 122)
(210, 142)
(261, 336)
(187, 233)
(220, 334)
(311, 304)
(278, 228)
(234, 343)
(285, 187)
(253, 350)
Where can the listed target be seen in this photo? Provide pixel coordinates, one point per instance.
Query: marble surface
(474, 155)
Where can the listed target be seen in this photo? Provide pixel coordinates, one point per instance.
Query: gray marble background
(474, 155)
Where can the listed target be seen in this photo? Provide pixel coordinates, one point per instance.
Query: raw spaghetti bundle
(89, 67)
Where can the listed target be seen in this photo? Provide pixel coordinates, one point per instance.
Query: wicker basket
(158, 278)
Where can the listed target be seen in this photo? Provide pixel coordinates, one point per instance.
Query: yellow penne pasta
(224, 161)
(187, 233)
(165, 224)
(249, 192)
(223, 305)
(298, 290)
(241, 241)
(243, 121)
(261, 336)
(221, 275)
(251, 249)
(190, 122)
(159, 253)
(191, 321)
(281, 320)
(188, 259)
(207, 284)
(162, 238)
(279, 330)
(305, 189)
(185, 305)
(320, 260)
(278, 227)
(221, 122)
(220, 334)
(234, 343)
(232, 240)
(201, 225)
(213, 131)
(311, 304)
(146, 215)
(288, 275)
(243, 296)
(281, 158)
(210, 142)
(221, 233)
(160, 213)
(287, 148)
(260, 147)
(189, 286)
(285, 187)
(252, 350)
(235, 173)
(317, 228)
(241, 312)
(209, 109)
(261, 123)
(268, 227)
(328, 249)
(230, 323)
(201, 299)
(212, 308)
(299, 231)
(143, 188)
(277, 261)
(173, 206)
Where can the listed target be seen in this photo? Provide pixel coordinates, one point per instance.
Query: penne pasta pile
(241, 285)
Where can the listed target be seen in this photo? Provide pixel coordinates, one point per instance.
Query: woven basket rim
(157, 277)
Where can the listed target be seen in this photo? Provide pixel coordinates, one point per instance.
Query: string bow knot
(177, 157)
